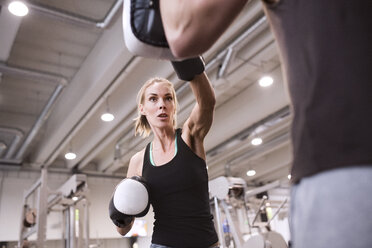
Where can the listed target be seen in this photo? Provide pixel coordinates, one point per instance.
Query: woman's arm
(193, 26)
(135, 164)
(200, 120)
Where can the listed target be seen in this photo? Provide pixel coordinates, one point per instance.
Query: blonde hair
(142, 126)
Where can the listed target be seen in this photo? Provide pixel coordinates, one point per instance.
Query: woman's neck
(163, 140)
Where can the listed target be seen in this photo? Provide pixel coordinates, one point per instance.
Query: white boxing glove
(130, 199)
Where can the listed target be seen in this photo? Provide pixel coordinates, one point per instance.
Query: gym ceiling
(65, 64)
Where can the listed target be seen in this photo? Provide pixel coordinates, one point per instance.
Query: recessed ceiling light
(289, 176)
(256, 141)
(266, 81)
(75, 198)
(107, 117)
(18, 8)
(251, 173)
(70, 155)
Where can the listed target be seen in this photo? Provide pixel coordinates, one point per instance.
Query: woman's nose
(161, 104)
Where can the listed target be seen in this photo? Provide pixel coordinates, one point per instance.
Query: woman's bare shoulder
(136, 164)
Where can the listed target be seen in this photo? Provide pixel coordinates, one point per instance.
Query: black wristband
(187, 69)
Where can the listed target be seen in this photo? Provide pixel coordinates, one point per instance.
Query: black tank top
(180, 199)
(326, 50)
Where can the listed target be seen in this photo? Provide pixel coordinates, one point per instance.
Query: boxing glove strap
(118, 218)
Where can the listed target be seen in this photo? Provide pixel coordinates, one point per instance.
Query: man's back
(326, 53)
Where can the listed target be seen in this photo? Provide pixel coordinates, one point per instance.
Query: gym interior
(68, 89)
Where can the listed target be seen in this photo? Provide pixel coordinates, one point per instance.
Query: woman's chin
(163, 125)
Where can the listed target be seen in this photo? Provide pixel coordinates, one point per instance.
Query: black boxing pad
(143, 29)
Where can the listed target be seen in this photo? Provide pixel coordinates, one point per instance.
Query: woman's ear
(142, 111)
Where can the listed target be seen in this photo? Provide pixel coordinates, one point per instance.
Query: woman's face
(158, 105)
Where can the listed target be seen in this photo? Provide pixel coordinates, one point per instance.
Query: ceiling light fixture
(256, 141)
(266, 81)
(75, 198)
(70, 155)
(18, 8)
(107, 116)
(251, 173)
(289, 176)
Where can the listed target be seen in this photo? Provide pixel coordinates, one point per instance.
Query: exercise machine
(70, 199)
(232, 211)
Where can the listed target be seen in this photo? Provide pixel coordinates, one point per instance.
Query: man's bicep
(193, 26)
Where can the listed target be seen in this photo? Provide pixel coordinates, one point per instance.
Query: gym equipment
(229, 196)
(30, 216)
(130, 199)
(71, 199)
(270, 239)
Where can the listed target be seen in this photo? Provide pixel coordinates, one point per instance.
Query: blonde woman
(173, 163)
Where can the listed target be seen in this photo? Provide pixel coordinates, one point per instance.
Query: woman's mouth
(163, 115)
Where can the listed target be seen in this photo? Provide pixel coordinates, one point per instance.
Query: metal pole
(42, 210)
(86, 219)
(72, 231)
(20, 241)
(219, 226)
(258, 210)
(235, 232)
(277, 211)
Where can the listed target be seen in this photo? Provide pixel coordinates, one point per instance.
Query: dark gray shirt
(325, 46)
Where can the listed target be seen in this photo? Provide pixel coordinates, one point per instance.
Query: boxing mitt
(143, 29)
(130, 199)
(187, 69)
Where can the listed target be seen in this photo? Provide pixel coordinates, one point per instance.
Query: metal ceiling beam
(36, 75)
(10, 162)
(18, 135)
(133, 61)
(32, 74)
(223, 58)
(74, 18)
(229, 53)
(251, 154)
(39, 122)
(265, 123)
